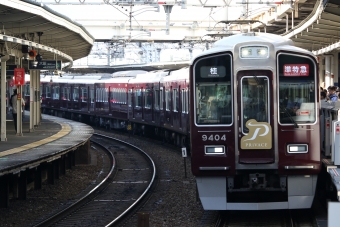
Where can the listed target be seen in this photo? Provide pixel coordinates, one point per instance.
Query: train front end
(255, 141)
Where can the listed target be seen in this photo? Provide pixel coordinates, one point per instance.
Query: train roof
(150, 77)
(181, 74)
(76, 78)
(228, 43)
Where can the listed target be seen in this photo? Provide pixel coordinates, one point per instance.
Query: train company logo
(259, 136)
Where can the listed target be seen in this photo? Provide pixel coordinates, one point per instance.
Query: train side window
(184, 101)
(55, 94)
(118, 95)
(161, 99)
(75, 94)
(129, 97)
(69, 93)
(156, 99)
(297, 89)
(174, 100)
(124, 95)
(106, 94)
(148, 98)
(83, 96)
(167, 99)
(138, 98)
(48, 91)
(92, 95)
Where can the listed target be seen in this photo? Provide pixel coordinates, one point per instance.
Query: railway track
(129, 178)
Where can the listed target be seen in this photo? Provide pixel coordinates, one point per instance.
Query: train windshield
(212, 82)
(296, 89)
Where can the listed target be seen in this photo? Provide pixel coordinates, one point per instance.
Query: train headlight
(254, 52)
(297, 148)
(214, 150)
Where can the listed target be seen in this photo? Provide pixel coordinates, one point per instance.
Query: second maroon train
(249, 106)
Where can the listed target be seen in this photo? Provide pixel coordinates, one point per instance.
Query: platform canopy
(29, 25)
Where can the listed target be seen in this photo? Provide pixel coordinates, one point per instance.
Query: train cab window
(212, 90)
(55, 92)
(147, 98)
(255, 100)
(156, 99)
(138, 98)
(297, 89)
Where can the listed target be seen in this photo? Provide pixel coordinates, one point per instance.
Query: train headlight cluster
(297, 148)
(254, 52)
(214, 150)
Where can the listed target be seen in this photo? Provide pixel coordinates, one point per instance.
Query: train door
(254, 98)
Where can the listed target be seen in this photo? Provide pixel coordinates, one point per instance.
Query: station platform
(53, 146)
(47, 128)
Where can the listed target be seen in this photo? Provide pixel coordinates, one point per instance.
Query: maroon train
(255, 124)
(146, 102)
(253, 119)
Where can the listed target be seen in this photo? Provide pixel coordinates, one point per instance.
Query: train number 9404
(215, 137)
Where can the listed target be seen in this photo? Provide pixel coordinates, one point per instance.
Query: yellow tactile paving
(65, 129)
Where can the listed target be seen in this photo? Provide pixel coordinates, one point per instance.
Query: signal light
(32, 53)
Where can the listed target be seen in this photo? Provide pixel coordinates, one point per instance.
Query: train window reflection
(55, 91)
(147, 98)
(255, 99)
(138, 97)
(297, 92)
(297, 102)
(213, 103)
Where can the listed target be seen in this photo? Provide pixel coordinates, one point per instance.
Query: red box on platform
(19, 76)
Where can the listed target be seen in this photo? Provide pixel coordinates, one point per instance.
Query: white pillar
(3, 97)
(35, 79)
(31, 100)
(38, 110)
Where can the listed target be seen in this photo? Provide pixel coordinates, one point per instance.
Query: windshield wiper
(289, 116)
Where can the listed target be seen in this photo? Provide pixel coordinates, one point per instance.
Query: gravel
(173, 203)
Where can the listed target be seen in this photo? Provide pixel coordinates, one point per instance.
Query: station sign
(19, 76)
(45, 65)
